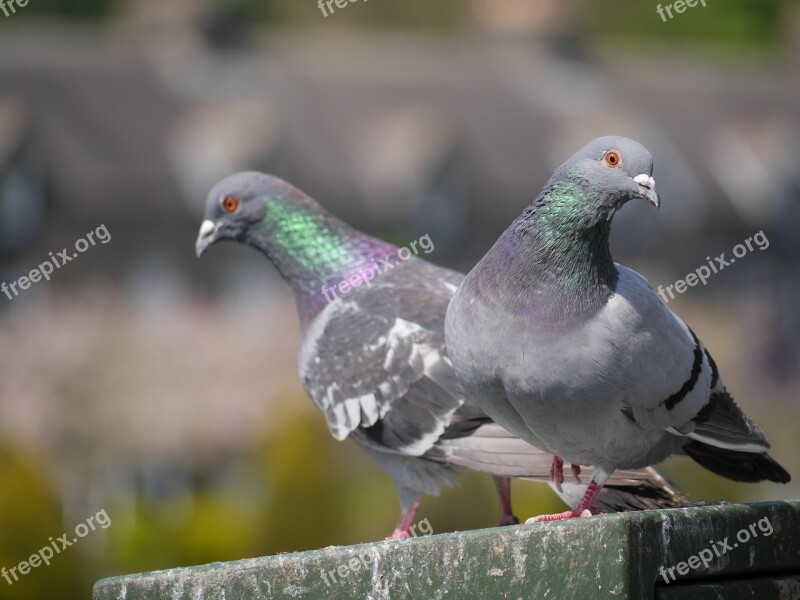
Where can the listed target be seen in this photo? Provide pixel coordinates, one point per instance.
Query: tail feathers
(641, 489)
(748, 467)
(493, 450)
(652, 492)
(722, 423)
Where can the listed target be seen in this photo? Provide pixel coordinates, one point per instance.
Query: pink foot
(567, 514)
(557, 472)
(576, 473)
(582, 510)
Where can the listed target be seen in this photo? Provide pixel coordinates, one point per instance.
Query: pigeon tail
(489, 448)
(748, 467)
(721, 423)
(725, 440)
(652, 492)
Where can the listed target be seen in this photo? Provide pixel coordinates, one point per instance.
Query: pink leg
(406, 519)
(557, 472)
(576, 473)
(503, 485)
(582, 510)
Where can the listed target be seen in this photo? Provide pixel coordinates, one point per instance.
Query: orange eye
(230, 204)
(612, 158)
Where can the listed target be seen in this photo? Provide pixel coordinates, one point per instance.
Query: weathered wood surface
(608, 556)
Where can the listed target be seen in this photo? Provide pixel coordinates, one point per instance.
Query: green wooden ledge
(608, 556)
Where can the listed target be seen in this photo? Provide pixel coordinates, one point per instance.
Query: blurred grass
(30, 514)
(753, 22)
(298, 490)
(734, 22)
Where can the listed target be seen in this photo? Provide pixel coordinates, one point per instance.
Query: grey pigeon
(578, 355)
(373, 360)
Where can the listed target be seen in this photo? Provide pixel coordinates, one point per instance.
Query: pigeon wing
(673, 382)
(376, 361)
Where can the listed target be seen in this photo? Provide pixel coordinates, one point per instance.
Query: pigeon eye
(230, 204)
(612, 158)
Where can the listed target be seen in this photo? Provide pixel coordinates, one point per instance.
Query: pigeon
(577, 355)
(373, 359)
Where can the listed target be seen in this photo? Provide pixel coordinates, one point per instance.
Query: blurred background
(162, 389)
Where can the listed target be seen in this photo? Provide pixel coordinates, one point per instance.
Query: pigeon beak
(647, 189)
(206, 237)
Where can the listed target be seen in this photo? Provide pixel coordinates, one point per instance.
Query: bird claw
(508, 520)
(569, 514)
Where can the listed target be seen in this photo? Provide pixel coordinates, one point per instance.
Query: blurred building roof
(393, 131)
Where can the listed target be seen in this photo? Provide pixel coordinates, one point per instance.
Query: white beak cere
(645, 181)
(208, 226)
(647, 187)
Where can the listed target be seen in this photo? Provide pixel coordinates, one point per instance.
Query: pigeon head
(559, 246)
(310, 248)
(236, 204)
(586, 191)
(612, 170)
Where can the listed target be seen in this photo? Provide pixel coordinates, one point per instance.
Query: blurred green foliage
(734, 21)
(298, 489)
(731, 21)
(69, 9)
(442, 14)
(30, 514)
